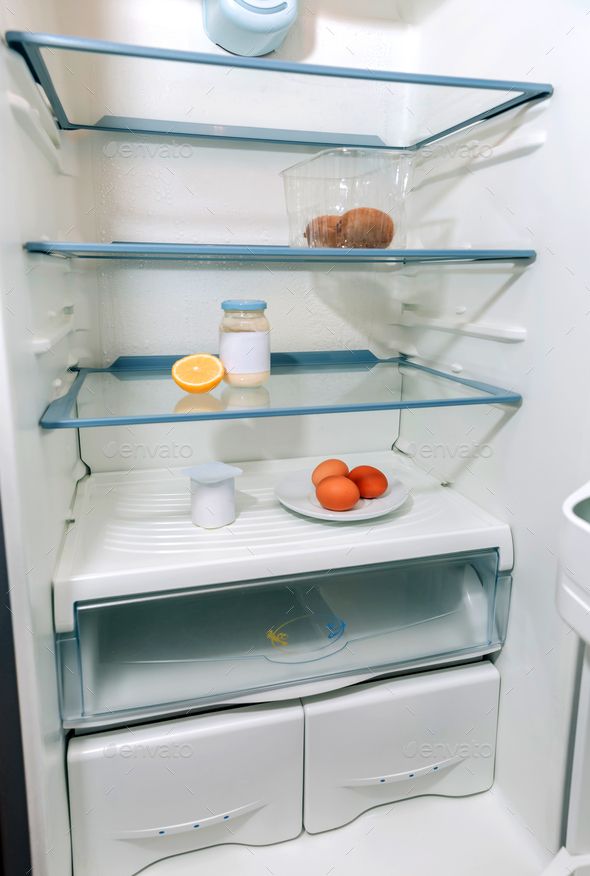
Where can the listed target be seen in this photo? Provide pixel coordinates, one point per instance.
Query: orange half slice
(200, 372)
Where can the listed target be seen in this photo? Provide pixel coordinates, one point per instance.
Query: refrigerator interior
(516, 182)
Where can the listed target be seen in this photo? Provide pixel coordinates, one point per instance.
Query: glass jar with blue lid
(244, 342)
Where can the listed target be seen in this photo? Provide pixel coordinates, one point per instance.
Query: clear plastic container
(348, 198)
(207, 644)
(244, 342)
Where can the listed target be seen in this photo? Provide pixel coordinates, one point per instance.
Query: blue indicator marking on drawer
(335, 630)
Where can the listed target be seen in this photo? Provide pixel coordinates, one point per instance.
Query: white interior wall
(519, 466)
(37, 470)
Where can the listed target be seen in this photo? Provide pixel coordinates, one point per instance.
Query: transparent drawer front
(205, 645)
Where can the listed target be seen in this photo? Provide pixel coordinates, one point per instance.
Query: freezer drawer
(142, 794)
(212, 644)
(432, 733)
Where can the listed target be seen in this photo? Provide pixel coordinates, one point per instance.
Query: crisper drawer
(141, 794)
(212, 644)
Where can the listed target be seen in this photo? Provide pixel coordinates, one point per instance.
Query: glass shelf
(190, 94)
(138, 390)
(220, 253)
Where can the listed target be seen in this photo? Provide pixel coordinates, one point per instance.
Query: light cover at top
(249, 27)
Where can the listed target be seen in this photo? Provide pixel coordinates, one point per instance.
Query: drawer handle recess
(406, 775)
(188, 826)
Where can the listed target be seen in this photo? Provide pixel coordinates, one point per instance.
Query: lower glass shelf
(138, 390)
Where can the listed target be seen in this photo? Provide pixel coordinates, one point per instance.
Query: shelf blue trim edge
(256, 253)
(25, 39)
(298, 359)
(58, 414)
(29, 45)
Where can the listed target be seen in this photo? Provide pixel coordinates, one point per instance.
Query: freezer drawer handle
(195, 824)
(406, 775)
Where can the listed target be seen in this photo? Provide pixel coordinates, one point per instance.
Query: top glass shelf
(191, 94)
(138, 390)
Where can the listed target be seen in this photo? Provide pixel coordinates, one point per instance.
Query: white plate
(297, 493)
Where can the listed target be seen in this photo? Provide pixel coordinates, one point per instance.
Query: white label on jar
(245, 352)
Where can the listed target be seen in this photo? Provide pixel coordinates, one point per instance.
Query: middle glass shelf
(136, 390)
(198, 252)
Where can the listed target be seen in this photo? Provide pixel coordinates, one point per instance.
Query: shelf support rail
(564, 864)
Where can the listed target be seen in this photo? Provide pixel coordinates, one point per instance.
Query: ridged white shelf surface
(132, 533)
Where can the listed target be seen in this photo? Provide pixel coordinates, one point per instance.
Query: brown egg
(366, 228)
(372, 485)
(337, 493)
(371, 482)
(328, 468)
(324, 231)
(361, 471)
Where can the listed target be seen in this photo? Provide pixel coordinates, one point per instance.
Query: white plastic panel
(142, 794)
(573, 602)
(573, 594)
(37, 475)
(433, 733)
(578, 827)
